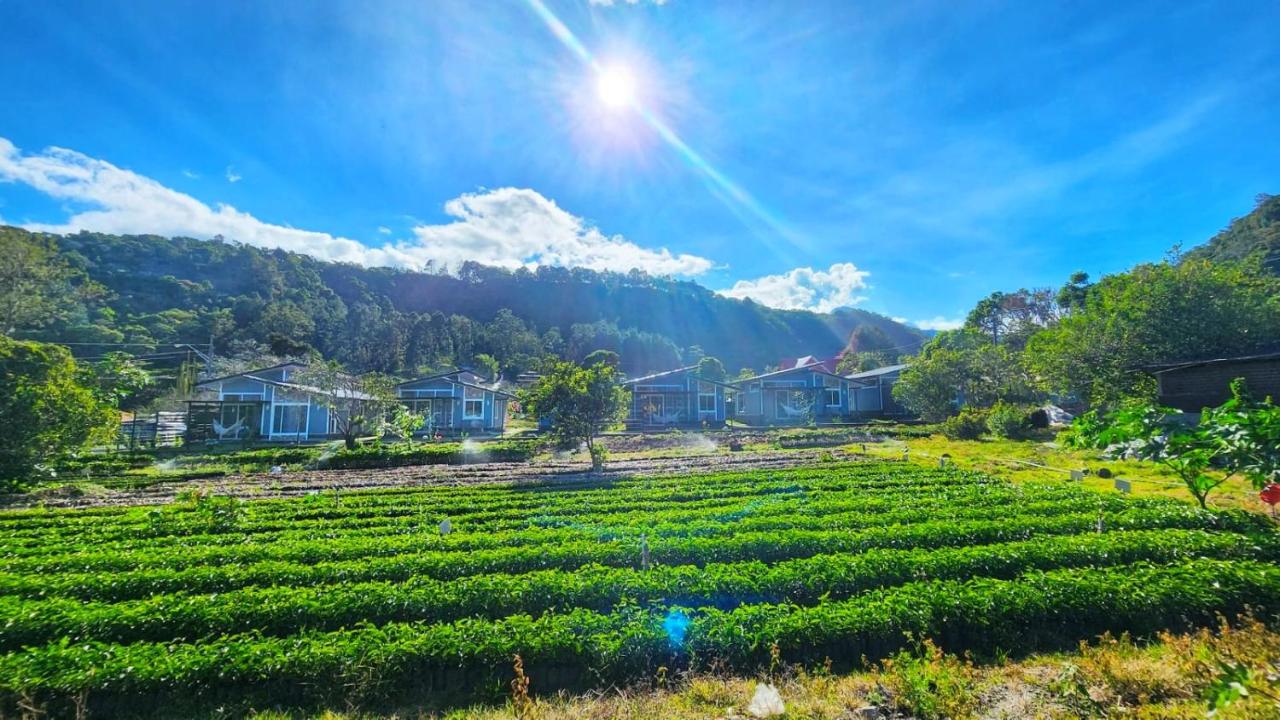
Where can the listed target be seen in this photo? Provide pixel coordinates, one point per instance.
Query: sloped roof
(1184, 364)
(248, 373)
(340, 393)
(817, 366)
(451, 375)
(886, 370)
(665, 373)
(828, 364)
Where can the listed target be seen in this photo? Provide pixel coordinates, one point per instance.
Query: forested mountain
(155, 291)
(1256, 233)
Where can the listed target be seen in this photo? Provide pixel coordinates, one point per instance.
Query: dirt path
(293, 484)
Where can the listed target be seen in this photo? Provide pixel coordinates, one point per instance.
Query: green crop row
(1033, 612)
(282, 610)
(318, 562)
(835, 476)
(1008, 526)
(165, 524)
(756, 517)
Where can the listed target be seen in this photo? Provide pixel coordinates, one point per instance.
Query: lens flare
(616, 86)
(676, 625)
(620, 91)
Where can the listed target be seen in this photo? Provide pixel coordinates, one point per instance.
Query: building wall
(493, 415)
(1195, 388)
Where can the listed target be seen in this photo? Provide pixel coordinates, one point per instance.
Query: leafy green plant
(1009, 421)
(930, 684)
(970, 424)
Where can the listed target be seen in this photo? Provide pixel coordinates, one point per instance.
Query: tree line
(97, 292)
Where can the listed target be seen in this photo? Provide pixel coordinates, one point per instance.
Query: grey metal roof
(811, 367)
(886, 370)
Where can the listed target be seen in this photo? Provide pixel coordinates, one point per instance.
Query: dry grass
(1114, 677)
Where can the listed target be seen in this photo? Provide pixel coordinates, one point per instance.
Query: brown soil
(260, 486)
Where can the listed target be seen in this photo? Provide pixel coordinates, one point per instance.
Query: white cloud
(383, 229)
(509, 227)
(939, 323)
(191, 174)
(232, 176)
(805, 288)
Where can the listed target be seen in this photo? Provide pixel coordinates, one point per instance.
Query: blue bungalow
(793, 396)
(676, 398)
(266, 404)
(456, 401)
(872, 393)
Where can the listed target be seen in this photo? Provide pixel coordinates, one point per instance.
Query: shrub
(378, 455)
(1008, 421)
(968, 425)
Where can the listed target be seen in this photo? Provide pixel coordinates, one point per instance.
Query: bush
(970, 424)
(378, 455)
(1038, 418)
(1008, 421)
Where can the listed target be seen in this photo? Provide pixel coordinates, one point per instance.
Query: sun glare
(616, 86)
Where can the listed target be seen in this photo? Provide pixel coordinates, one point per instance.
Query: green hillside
(1257, 233)
(156, 291)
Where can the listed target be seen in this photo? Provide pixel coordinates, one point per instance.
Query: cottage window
(472, 403)
(706, 397)
(289, 419)
(833, 397)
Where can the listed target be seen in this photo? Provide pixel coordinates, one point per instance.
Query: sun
(616, 86)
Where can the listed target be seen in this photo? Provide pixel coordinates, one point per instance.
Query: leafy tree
(487, 365)
(962, 367)
(357, 404)
(1072, 295)
(405, 423)
(46, 413)
(710, 368)
(1155, 313)
(601, 357)
(36, 284)
(1249, 431)
(1145, 431)
(118, 379)
(1011, 318)
(579, 402)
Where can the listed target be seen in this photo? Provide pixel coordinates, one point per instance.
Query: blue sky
(908, 158)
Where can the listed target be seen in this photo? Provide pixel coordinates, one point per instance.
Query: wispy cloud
(233, 176)
(508, 227)
(971, 182)
(384, 230)
(805, 288)
(190, 174)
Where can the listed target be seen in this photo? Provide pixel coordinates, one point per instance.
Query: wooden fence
(154, 430)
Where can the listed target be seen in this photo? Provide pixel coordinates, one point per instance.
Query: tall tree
(357, 404)
(578, 403)
(46, 413)
(36, 286)
(1155, 313)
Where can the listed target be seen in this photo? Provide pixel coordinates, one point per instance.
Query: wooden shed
(1193, 385)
